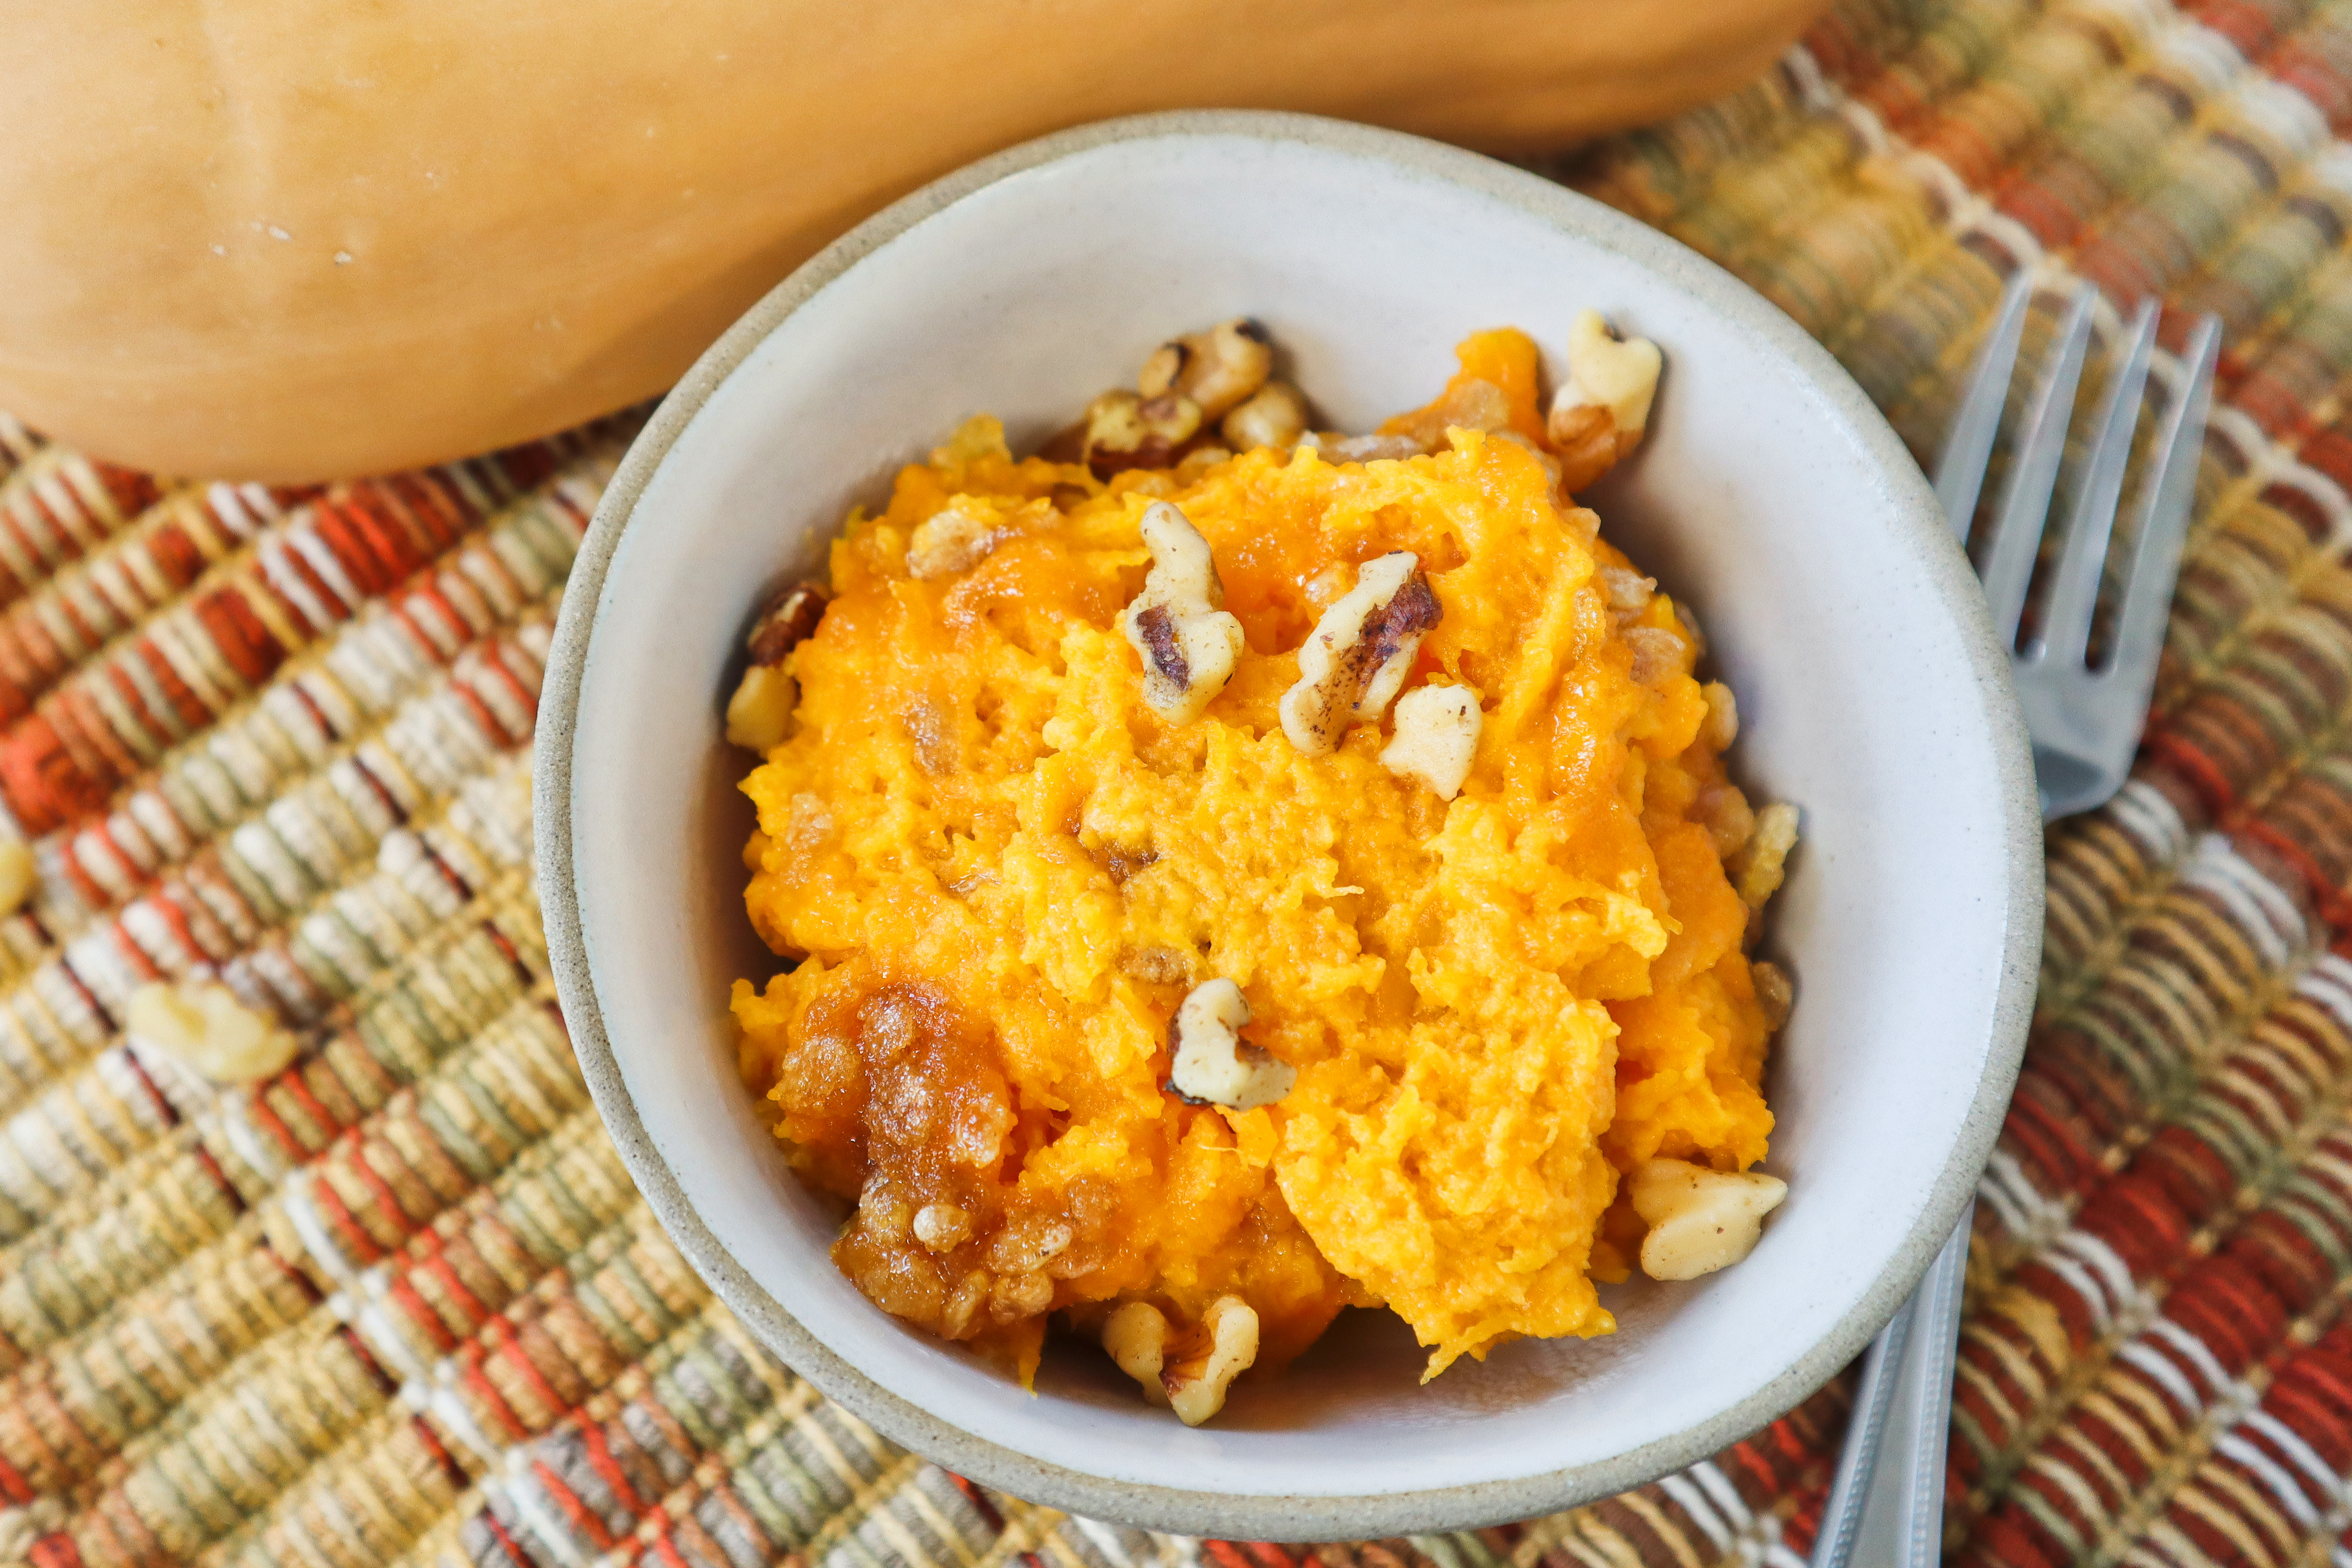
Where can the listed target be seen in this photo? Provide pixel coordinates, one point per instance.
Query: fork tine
(1960, 470)
(2164, 519)
(2033, 472)
(2082, 560)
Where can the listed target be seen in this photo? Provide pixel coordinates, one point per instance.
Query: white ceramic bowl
(1770, 494)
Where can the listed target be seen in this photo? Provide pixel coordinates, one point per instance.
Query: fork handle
(1902, 1522)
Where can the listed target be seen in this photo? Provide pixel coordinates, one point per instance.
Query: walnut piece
(1759, 868)
(1357, 656)
(1774, 994)
(1700, 1220)
(1124, 431)
(1473, 404)
(1210, 1062)
(1216, 369)
(1601, 409)
(206, 1027)
(1338, 449)
(1189, 1376)
(1274, 415)
(1188, 644)
(1436, 736)
(760, 713)
(952, 540)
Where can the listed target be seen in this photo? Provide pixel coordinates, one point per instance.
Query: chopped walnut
(950, 540)
(1728, 819)
(1628, 593)
(1216, 369)
(1188, 644)
(1338, 449)
(1659, 655)
(1124, 431)
(1274, 415)
(1721, 726)
(1196, 1378)
(1136, 1336)
(1359, 654)
(1155, 966)
(1774, 992)
(1198, 461)
(1211, 1065)
(1601, 409)
(1700, 1220)
(1191, 1375)
(1760, 867)
(1436, 736)
(941, 1227)
(1473, 404)
(205, 1027)
(760, 713)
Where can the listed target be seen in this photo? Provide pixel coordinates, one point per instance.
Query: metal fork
(1887, 1504)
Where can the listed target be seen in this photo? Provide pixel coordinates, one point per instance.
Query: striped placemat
(401, 1305)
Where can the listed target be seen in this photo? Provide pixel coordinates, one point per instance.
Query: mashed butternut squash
(1001, 874)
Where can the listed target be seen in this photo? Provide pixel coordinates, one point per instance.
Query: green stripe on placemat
(400, 1304)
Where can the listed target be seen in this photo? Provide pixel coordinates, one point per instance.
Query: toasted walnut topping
(1019, 1296)
(790, 619)
(1700, 1220)
(1197, 1373)
(1601, 409)
(1189, 646)
(1721, 726)
(1473, 404)
(941, 1227)
(1759, 868)
(1211, 1065)
(1774, 994)
(1124, 431)
(760, 714)
(17, 875)
(205, 1027)
(1729, 820)
(1436, 736)
(1155, 966)
(1359, 654)
(950, 540)
(1274, 415)
(1628, 593)
(1136, 1336)
(1216, 369)
(1658, 654)
(1198, 461)
(1338, 449)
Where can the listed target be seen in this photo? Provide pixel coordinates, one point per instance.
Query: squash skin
(246, 243)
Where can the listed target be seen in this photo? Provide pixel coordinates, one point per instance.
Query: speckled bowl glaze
(1769, 495)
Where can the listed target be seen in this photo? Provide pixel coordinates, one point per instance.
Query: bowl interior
(1768, 496)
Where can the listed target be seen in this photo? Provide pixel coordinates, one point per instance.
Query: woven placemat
(401, 1304)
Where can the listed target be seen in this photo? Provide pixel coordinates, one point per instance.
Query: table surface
(400, 1304)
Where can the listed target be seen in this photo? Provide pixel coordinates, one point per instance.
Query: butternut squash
(253, 238)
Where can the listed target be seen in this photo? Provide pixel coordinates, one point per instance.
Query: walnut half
(206, 1027)
(1210, 1063)
(1436, 736)
(1357, 656)
(1190, 1374)
(1188, 644)
(1601, 411)
(760, 713)
(1700, 1220)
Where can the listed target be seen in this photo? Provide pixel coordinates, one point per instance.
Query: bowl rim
(1287, 1516)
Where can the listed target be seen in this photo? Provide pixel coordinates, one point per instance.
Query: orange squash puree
(1001, 874)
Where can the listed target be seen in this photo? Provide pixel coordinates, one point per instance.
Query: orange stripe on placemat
(601, 1460)
(2196, 768)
